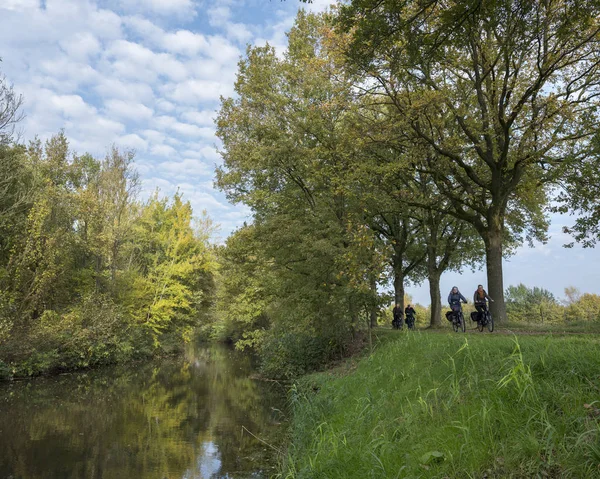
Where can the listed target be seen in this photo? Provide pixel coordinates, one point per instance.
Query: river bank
(448, 405)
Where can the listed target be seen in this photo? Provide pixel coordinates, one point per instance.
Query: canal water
(198, 416)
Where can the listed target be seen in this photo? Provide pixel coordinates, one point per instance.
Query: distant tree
(586, 308)
(525, 303)
(523, 295)
(10, 109)
(573, 294)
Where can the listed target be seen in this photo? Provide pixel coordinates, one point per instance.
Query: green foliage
(492, 102)
(525, 304)
(438, 405)
(88, 274)
(245, 290)
(586, 308)
(535, 304)
(178, 267)
(581, 195)
(307, 269)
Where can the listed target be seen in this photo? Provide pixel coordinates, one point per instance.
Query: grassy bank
(448, 405)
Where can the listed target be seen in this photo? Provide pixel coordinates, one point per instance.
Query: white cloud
(184, 42)
(202, 118)
(134, 61)
(132, 141)
(163, 150)
(187, 168)
(164, 105)
(21, 5)
(180, 8)
(153, 135)
(123, 89)
(63, 75)
(128, 110)
(219, 15)
(193, 92)
(319, 5)
(192, 130)
(72, 106)
(81, 46)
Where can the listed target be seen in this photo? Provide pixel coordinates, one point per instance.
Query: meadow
(452, 406)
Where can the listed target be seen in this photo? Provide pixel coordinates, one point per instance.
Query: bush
(291, 354)
(92, 333)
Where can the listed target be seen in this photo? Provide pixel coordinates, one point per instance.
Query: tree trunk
(373, 314)
(374, 308)
(398, 284)
(354, 317)
(436, 299)
(493, 256)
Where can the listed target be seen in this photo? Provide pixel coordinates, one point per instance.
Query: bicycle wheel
(455, 324)
(490, 322)
(480, 324)
(462, 322)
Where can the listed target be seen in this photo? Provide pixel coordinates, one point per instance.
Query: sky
(148, 75)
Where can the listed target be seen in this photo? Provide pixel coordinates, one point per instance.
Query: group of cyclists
(455, 298)
(397, 320)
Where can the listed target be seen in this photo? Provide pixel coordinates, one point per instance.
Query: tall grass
(441, 405)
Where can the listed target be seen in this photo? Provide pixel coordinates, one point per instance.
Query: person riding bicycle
(397, 317)
(479, 299)
(454, 299)
(410, 313)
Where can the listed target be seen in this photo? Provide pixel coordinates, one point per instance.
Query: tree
(169, 286)
(425, 240)
(499, 94)
(10, 106)
(16, 196)
(525, 303)
(286, 151)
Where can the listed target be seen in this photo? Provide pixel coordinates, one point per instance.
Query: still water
(184, 418)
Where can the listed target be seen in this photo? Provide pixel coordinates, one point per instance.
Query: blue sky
(147, 74)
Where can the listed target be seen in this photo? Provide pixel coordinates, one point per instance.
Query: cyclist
(454, 299)
(479, 299)
(397, 320)
(410, 313)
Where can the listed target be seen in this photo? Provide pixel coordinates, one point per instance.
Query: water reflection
(179, 418)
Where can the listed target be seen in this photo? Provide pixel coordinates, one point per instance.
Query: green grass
(452, 406)
(561, 327)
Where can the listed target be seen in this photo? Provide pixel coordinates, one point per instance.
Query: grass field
(452, 406)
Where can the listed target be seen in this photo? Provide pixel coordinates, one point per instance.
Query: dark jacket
(480, 299)
(397, 312)
(455, 298)
(410, 311)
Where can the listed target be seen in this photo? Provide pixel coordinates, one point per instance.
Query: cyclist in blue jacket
(454, 299)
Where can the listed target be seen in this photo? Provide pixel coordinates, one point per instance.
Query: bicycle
(410, 321)
(458, 322)
(486, 320)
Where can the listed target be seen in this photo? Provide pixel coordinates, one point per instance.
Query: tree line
(89, 272)
(393, 141)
